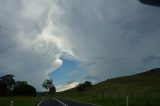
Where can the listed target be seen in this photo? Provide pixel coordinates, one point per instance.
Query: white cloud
(66, 86)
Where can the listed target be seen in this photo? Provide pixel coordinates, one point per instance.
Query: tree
(3, 89)
(48, 85)
(52, 90)
(8, 80)
(22, 88)
(20, 82)
(87, 83)
(6, 84)
(82, 87)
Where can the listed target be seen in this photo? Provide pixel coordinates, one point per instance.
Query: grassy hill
(143, 89)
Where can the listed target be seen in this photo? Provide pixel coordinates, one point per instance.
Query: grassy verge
(120, 100)
(143, 89)
(20, 101)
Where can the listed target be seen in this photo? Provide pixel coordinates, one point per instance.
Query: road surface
(62, 102)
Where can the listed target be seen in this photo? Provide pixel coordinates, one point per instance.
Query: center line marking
(40, 102)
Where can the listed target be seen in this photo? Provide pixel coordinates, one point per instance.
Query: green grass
(119, 100)
(143, 90)
(136, 100)
(19, 101)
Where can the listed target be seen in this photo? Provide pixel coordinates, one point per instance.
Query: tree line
(10, 87)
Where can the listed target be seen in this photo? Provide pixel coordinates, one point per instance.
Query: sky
(71, 41)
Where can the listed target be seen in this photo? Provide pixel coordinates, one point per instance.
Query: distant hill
(141, 83)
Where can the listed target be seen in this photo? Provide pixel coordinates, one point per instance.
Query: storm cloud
(110, 38)
(113, 38)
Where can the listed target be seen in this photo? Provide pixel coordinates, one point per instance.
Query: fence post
(11, 103)
(127, 101)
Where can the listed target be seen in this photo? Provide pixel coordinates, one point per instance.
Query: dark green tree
(87, 83)
(23, 89)
(83, 87)
(80, 87)
(48, 85)
(52, 90)
(8, 80)
(6, 84)
(4, 91)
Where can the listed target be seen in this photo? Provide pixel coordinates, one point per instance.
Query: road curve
(49, 102)
(62, 102)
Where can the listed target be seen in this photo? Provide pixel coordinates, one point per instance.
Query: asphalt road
(62, 102)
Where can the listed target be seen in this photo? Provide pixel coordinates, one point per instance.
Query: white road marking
(40, 102)
(61, 102)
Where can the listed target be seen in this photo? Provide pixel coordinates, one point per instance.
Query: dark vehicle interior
(151, 2)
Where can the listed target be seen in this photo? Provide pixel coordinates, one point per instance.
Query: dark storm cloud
(109, 37)
(122, 32)
(29, 48)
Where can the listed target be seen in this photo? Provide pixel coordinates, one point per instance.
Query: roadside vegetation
(10, 87)
(18, 92)
(48, 85)
(20, 101)
(142, 90)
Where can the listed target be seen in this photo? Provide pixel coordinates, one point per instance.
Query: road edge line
(40, 102)
(60, 102)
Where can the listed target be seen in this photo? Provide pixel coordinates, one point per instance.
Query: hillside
(145, 85)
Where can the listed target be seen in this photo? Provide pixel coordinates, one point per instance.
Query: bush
(3, 89)
(82, 87)
(24, 90)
